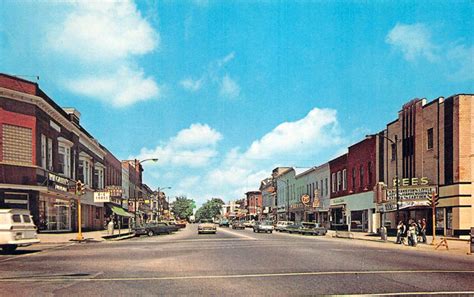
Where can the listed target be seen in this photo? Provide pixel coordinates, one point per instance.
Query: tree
(183, 207)
(210, 209)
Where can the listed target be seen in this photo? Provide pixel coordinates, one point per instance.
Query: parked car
(181, 224)
(280, 226)
(249, 224)
(312, 229)
(16, 229)
(224, 223)
(207, 226)
(151, 229)
(266, 227)
(238, 225)
(292, 227)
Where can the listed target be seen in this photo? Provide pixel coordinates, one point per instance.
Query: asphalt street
(231, 263)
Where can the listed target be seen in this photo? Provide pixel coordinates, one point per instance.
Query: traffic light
(433, 200)
(80, 190)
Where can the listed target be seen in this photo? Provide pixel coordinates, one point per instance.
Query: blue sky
(224, 91)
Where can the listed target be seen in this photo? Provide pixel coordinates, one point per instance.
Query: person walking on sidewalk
(401, 228)
(411, 234)
(423, 230)
(418, 231)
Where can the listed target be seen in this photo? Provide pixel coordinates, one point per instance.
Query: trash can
(383, 233)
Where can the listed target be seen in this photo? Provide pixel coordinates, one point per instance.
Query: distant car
(292, 228)
(266, 227)
(16, 229)
(238, 225)
(249, 224)
(207, 226)
(281, 225)
(224, 223)
(312, 229)
(181, 224)
(151, 229)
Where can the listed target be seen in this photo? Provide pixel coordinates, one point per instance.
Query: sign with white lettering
(412, 193)
(58, 182)
(101, 197)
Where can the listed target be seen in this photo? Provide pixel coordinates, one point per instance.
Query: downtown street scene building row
(389, 176)
(44, 152)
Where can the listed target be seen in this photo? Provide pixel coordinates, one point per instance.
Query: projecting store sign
(410, 194)
(101, 197)
(58, 182)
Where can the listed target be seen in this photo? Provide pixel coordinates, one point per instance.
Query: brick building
(434, 146)
(254, 204)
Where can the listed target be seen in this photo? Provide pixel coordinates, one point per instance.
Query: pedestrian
(400, 231)
(110, 227)
(411, 234)
(418, 231)
(423, 230)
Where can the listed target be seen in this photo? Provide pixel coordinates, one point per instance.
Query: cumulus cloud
(192, 85)
(413, 41)
(120, 89)
(191, 147)
(103, 38)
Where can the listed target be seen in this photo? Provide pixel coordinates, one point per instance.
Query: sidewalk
(90, 236)
(455, 245)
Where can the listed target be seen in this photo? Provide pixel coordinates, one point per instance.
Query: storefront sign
(115, 191)
(414, 181)
(316, 202)
(412, 193)
(403, 204)
(337, 201)
(305, 199)
(58, 182)
(101, 197)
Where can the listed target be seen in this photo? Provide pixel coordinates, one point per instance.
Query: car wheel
(150, 233)
(271, 232)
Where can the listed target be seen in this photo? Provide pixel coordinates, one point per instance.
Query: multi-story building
(254, 204)
(433, 146)
(43, 151)
(268, 198)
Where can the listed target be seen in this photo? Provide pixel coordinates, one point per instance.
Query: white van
(16, 229)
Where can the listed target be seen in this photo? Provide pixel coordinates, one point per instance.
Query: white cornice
(58, 117)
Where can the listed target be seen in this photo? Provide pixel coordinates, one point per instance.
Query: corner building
(433, 144)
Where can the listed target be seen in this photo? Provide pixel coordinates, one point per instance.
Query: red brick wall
(335, 165)
(21, 120)
(17, 84)
(359, 155)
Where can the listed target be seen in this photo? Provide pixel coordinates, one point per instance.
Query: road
(231, 263)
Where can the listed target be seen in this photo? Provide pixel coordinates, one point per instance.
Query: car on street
(16, 229)
(312, 229)
(181, 224)
(292, 228)
(249, 224)
(280, 226)
(207, 226)
(224, 223)
(238, 225)
(266, 227)
(154, 228)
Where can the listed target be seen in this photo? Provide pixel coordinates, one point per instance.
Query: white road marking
(237, 234)
(421, 293)
(262, 275)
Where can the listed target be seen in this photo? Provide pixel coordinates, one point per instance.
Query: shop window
(429, 138)
(17, 144)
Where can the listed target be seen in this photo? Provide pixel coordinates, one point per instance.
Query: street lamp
(394, 142)
(159, 191)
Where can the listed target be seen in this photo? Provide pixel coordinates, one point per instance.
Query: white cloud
(104, 30)
(191, 147)
(123, 88)
(192, 85)
(229, 87)
(101, 40)
(413, 41)
(462, 58)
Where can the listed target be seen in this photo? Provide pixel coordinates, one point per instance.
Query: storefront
(353, 212)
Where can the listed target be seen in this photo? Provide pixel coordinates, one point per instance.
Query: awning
(120, 211)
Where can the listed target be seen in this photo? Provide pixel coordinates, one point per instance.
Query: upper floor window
(43, 151)
(394, 151)
(98, 176)
(361, 175)
(326, 185)
(353, 178)
(333, 182)
(17, 144)
(429, 138)
(64, 156)
(369, 168)
(50, 154)
(85, 170)
(339, 181)
(344, 179)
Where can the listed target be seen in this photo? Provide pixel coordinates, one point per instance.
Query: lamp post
(397, 192)
(136, 198)
(158, 200)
